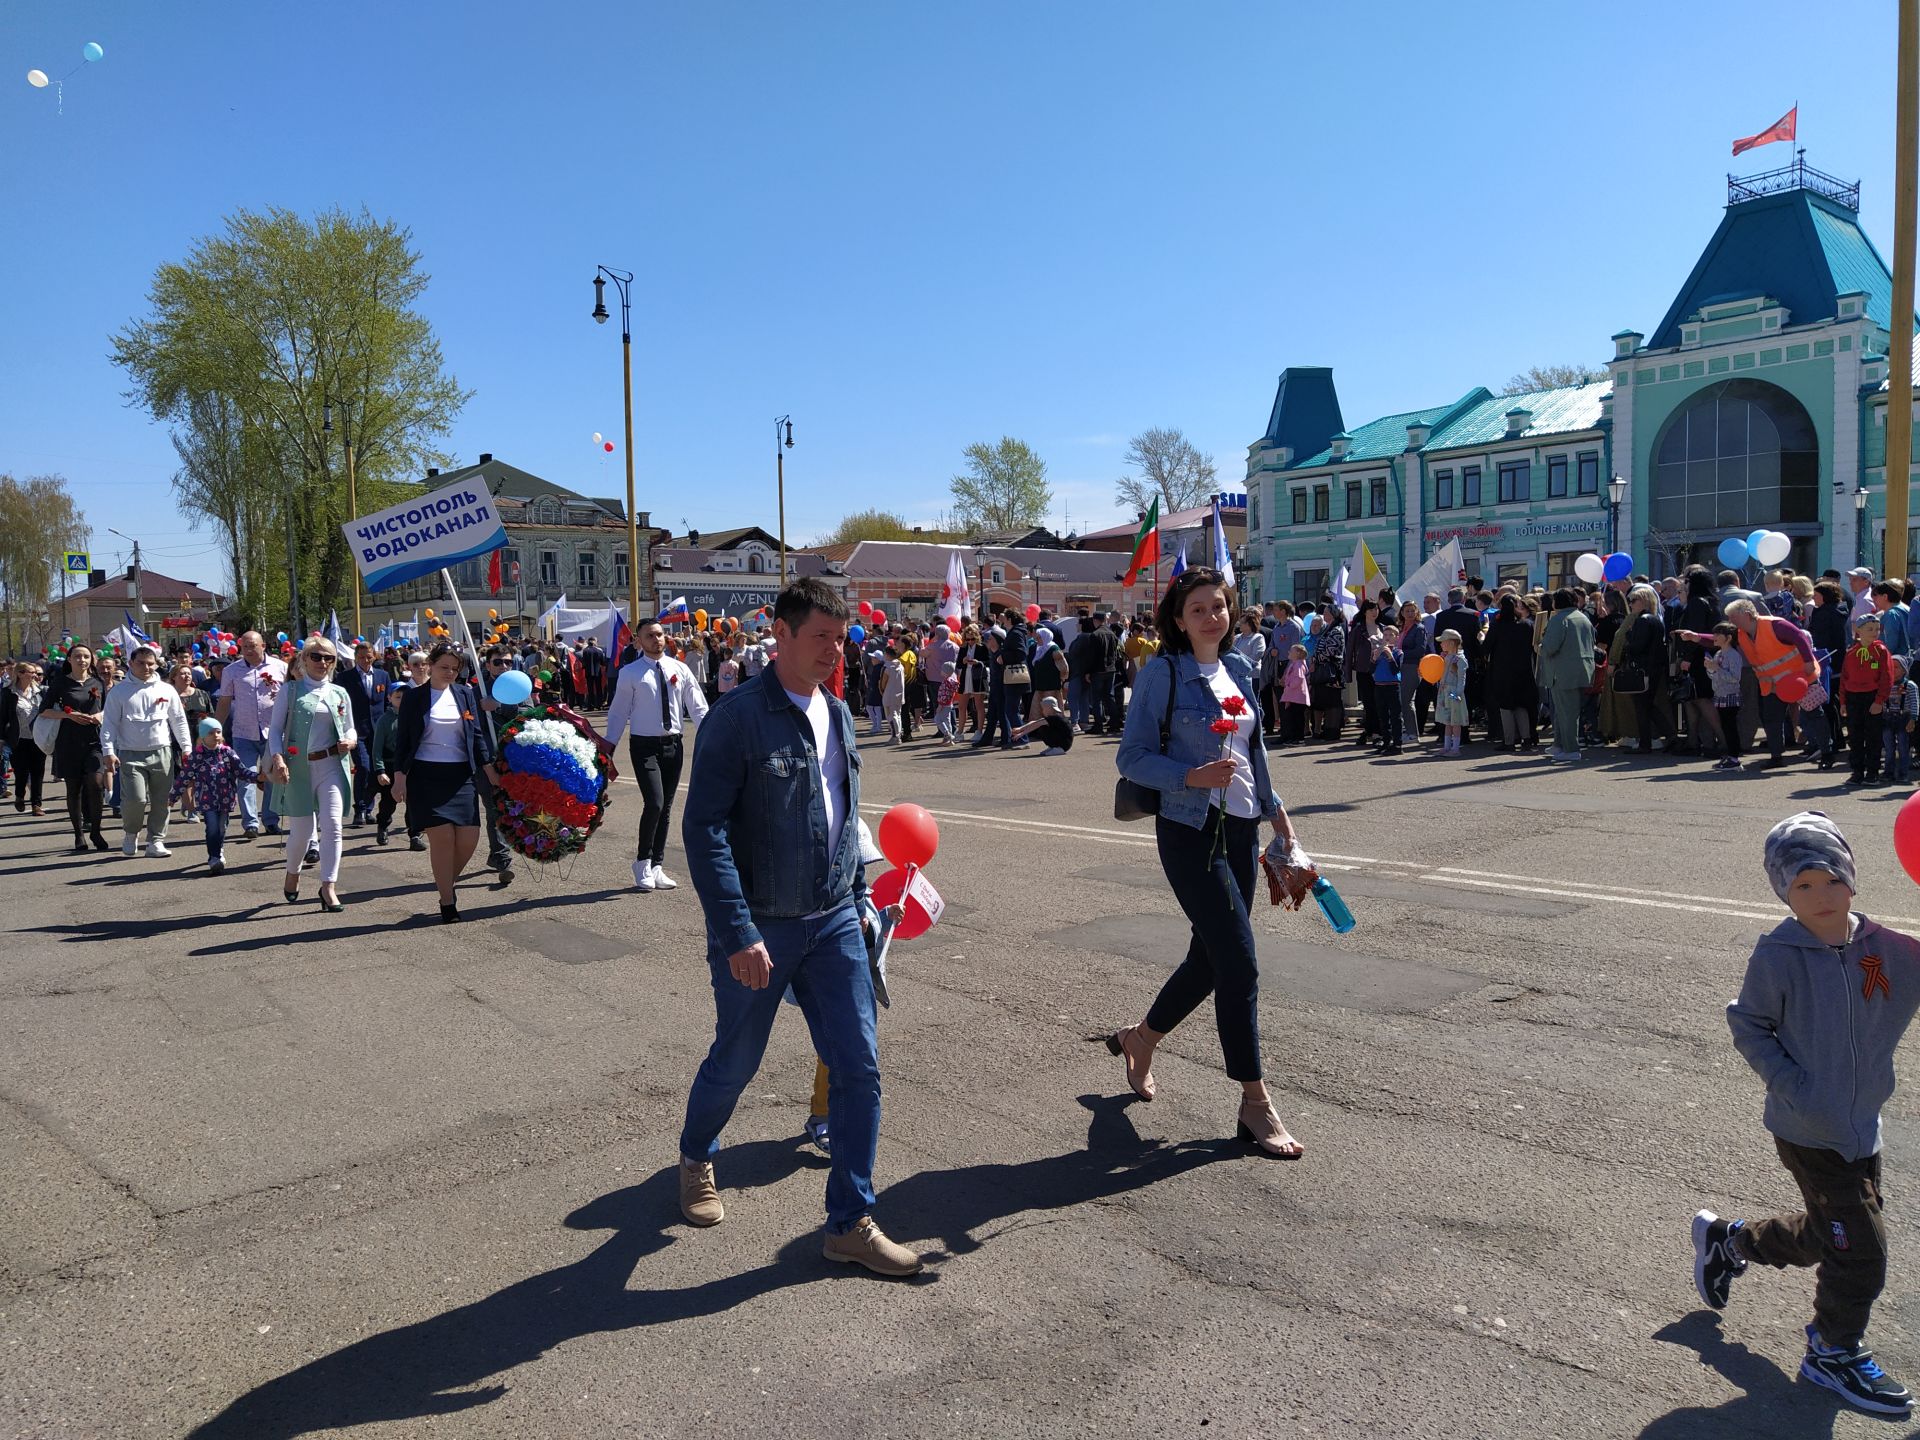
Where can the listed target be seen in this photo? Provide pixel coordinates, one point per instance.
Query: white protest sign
(418, 537)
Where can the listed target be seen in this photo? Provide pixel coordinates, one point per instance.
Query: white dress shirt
(636, 700)
(141, 716)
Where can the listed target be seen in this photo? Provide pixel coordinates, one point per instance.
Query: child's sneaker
(1854, 1377)
(1717, 1261)
(817, 1134)
(216, 863)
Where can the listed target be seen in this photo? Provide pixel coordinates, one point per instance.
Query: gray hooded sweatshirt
(1819, 1024)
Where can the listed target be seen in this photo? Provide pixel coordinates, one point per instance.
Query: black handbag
(1629, 679)
(1131, 799)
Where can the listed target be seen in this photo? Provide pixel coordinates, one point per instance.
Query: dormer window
(1417, 435)
(1518, 419)
(1339, 445)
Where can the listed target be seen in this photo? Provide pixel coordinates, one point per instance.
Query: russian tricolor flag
(676, 610)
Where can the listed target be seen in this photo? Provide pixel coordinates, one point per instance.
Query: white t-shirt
(833, 762)
(1240, 797)
(442, 742)
(320, 730)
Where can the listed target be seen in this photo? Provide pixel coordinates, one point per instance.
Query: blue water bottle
(1332, 906)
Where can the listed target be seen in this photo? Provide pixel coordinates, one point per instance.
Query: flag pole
(460, 614)
(1156, 562)
(1906, 152)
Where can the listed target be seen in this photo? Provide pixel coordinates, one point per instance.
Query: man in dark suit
(593, 662)
(367, 689)
(1458, 617)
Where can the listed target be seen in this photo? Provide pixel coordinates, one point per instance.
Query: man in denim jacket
(774, 854)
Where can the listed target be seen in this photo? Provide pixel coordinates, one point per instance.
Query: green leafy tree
(247, 341)
(868, 525)
(38, 523)
(1166, 464)
(1004, 487)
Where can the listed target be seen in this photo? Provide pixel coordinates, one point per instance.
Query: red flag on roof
(1781, 129)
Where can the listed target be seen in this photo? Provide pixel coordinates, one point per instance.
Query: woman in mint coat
(310, 739)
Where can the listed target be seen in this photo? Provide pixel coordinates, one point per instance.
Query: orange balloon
(699, 619)
(1432, 668)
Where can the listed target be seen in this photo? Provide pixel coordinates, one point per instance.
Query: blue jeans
(1077, 701)
(216, 827)
(363, 786)
(1898, 746)
(254, 809)
(1014, 715)
(825, 961)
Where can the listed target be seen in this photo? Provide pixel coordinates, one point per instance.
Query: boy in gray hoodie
(1827, 996)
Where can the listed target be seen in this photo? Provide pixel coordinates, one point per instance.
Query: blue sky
(911, 226)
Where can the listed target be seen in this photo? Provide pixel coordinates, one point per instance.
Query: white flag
(1222, 556)
(954, 599)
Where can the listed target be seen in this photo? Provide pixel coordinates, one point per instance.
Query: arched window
(546, 511)
(754, 563)
(1742, 454)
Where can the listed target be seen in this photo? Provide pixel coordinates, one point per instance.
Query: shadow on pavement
(1773, 1404)
(436, 1366)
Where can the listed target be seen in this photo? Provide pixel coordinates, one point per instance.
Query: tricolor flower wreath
(552, 793)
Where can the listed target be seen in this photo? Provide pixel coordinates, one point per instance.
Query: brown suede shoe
(699, 1200)
(866, 1245)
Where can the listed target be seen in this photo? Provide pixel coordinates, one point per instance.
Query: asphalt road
(266, 1173)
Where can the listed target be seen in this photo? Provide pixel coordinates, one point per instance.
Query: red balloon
(908, 836)
(1906, 836)
(1792, 689)
(879, 617)
(866, 607)
(607, 446)
(1033, 613)
(888, 890)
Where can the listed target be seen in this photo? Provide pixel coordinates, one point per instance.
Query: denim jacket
(755, 821)
(1190, 743)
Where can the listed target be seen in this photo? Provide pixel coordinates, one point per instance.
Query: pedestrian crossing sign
(79, 562)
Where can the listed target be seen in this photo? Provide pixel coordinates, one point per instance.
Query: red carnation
(1234, 705)
(1223, 726)
(293, 749)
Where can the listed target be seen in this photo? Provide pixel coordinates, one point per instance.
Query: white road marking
(1593, 894)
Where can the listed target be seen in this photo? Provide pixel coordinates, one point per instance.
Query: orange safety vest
(1772, 658)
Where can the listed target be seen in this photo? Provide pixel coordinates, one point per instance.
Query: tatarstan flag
(1146, 545)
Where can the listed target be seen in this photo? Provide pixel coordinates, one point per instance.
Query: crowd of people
(1693, 665)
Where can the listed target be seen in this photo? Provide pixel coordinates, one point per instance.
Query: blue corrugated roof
(1306, 410)
(1565, 409)
(1801, 248)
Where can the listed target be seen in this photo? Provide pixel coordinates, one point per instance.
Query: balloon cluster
(39, 79)
(1594, 569)
(908, 838)
(496, 629)
(605, 444)
(436, 627)
(553, 790)
(1763, 547)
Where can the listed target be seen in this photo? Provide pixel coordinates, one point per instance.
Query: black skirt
(441, 793)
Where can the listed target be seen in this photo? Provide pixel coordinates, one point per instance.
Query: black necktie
(666, 696)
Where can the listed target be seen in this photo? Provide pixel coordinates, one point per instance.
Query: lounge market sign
(1525, 530)
(417, 537)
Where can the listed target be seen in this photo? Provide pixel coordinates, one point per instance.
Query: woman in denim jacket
(1214, 792)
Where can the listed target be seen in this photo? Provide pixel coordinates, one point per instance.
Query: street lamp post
(785, 422)
(623, 282)
(353, 494)
(1616, 493)
(1860, 526)
(980, 604)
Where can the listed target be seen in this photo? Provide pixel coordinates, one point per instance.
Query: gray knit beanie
(1807, 841)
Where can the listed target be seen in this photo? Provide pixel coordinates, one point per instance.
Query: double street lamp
(1616, 493)
(623, 282)
(353, 495)
(783, 423)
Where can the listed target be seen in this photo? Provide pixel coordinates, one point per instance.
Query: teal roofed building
(1759, 402)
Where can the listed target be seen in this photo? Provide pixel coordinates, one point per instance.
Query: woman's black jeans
(29, 773)
(1214, 886)
(84, 795)
(1648, 712)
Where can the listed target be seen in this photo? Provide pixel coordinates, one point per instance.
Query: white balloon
(1775, 548)
(37, 79)
(1590, 568)
(598, 439)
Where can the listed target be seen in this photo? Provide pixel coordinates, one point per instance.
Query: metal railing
(1797, 176)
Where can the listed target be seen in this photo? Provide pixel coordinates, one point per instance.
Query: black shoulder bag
(1131, 799)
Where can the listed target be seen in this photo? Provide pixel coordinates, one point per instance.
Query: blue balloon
(91, 51)
(281, 636)
(856, 633)
(1733, 552)
(1753, 541)
(513, 687)
(1617, 566)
